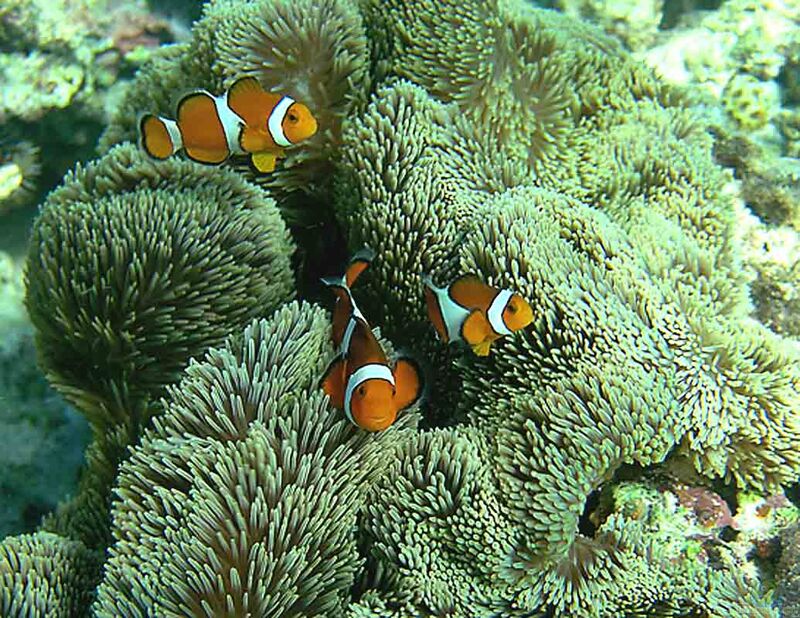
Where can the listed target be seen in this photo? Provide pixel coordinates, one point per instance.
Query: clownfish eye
(292, 117)
(512, 308)
(362, 391)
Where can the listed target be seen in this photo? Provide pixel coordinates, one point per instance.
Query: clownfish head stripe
(372, 371)
(495, 312)
(275, 122)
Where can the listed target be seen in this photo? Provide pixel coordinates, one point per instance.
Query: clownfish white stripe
(232, 123)
(275, 122)
(495, 312)
(344, 347)
(372, 371)
(453, 314)
(174, 133)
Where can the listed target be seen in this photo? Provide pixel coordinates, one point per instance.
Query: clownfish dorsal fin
(358, 264)
(408, 383)
(333, 382)
(244, 86)
(476, 329)
(248, 99)
(471, 292)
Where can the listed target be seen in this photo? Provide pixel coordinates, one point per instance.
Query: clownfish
(244, 120)
(360, 380)
(472, 311)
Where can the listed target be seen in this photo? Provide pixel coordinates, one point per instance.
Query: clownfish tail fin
(365, 254)
(159, 137)
(359, 262)
(334, 282)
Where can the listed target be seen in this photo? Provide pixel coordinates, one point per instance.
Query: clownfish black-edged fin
(333, 382)
(434, 309)
(359, 262)
(471, 292)
(408, 381)
(199, 120)
(264, 162)
(475, 329)
(159, 137)
(334, 282)
(247, 98)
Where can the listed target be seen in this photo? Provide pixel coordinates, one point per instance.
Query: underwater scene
(400, 308)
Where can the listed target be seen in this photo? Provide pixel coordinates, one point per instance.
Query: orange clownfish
(244, 120)
(472, 311)
(360, 380)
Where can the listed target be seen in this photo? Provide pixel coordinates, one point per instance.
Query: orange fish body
(360, 380)
(470, 310)
(244, 120)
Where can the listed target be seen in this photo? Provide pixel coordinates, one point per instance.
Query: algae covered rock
(19, 172)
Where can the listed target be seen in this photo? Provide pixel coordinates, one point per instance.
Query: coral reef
(19, 171)
(768, 221)
(63, 64)
(472, 136)
(243, 498)
(57, 53)
(770, 186)
(634, 22)
(773, 253)
(44, 575)
(743, 54)
(788, 588)
(192, 254)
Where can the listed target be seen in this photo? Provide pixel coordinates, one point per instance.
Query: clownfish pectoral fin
(160, 137)
(333, 382)
(264, 162)
(475, 331)
(408, 382)
(358, 264)
(483, 348)
(251, 140)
